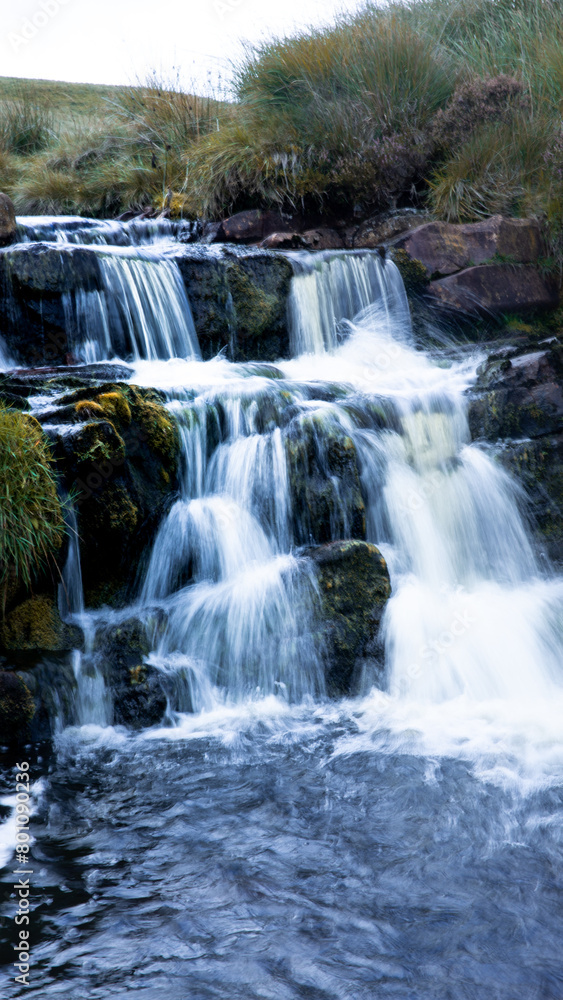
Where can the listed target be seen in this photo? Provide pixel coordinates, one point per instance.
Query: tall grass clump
(31, 519)
(339, 113)
(26, 127)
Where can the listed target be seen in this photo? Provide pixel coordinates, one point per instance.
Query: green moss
(116, 407)
(31, 517)
(34, 624)
(88, 409)
(255, 309)
(413, 272)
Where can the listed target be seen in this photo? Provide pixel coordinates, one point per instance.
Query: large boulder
(138, 689)
(519, 394)
(354, 588)
(8, 226)
(238, 300)
(35, 624)
(492, 289)
(445, 248)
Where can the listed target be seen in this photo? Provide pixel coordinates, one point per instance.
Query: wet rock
(8, 226)
(492, 289)
(17, 708)
(34, 278)
(50, 680)
(520, 395)
(324, 481)
(250, 226)
(444, 248)
(139, 697)
(238, 301)
(538, 465)
(354, 588)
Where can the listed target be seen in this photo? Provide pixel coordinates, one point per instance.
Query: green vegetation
(31, 520)
(455, 104)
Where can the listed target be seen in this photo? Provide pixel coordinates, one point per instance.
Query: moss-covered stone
(354, 588)
(17, 708)
(35, 623)
(139, 697)
(413, 272)
(324, 481)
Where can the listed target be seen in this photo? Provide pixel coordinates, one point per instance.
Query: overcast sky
(121, 41)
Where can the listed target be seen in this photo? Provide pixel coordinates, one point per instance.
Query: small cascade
(239, 602)
(331, 287)
(92, 704)
(104, 232)
(142, 312)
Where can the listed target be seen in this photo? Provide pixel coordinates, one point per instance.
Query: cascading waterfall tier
(330, 288)
(142, 311)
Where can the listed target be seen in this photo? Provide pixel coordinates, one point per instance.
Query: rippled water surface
(312, 855)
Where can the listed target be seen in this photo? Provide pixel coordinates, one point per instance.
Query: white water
(142, 311)
(329, 288)
(474, 628)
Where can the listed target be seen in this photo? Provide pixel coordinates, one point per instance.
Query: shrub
(31, 519)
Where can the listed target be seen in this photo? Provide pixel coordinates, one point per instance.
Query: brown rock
(489, 290)
(7, 221)
(444, 248)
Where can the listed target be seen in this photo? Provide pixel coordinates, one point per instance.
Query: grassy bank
(454, 104)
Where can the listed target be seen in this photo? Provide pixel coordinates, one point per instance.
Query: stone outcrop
(517, 403)
(493, 289)
(354, 588)
(8, 226)
(251, 226)
(445, 248)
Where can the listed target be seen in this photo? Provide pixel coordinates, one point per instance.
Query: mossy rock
(139, 698)
(354, 588)
(324, 482)
(17, 708)
(538, 466)
(413, 272)
(36, 624)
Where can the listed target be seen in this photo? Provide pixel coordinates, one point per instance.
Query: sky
(122, 41)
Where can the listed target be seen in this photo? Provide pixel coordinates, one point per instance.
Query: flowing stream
(264, 841)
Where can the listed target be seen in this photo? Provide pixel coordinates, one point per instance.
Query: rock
(117, 449)
(17, 708)
(284, 241)
(490, 290)
(34, 280)
(35, 624)
(139, 697)
(238, 300)
(324, 481)
(8, 225)
(538, 465)
(250, 226)
(384, 228)
(322, 239)
(519, 396)
(354, 588)
(445, 248)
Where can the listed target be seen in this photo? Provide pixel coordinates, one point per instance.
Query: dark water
(281, 859)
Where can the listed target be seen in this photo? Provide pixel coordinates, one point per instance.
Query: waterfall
(103, 232)
(142, 311)
(329, 288)
(92, 703)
